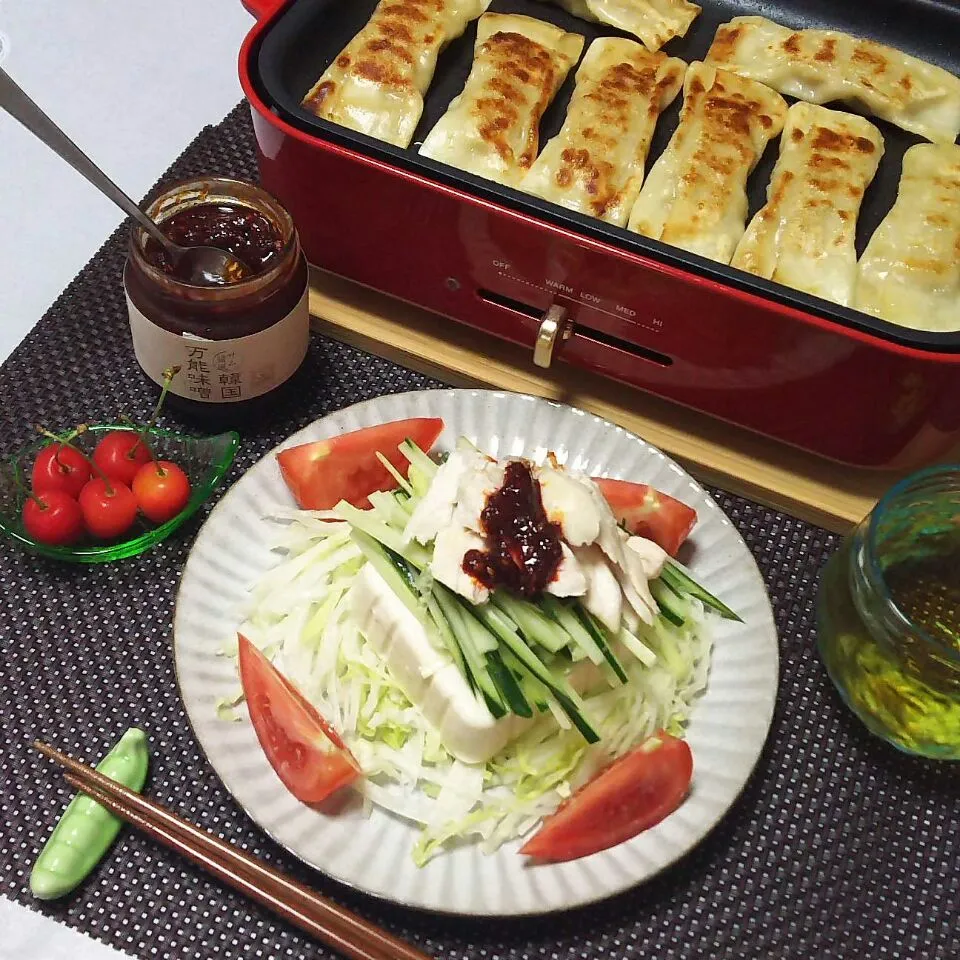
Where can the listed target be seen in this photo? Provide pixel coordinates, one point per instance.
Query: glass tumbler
(889, 616)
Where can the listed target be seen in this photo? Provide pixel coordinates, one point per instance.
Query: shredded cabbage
(299, 615)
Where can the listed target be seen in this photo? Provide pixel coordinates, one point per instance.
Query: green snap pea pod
(86, 830)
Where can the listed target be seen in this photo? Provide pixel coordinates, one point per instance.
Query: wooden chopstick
(328, 922)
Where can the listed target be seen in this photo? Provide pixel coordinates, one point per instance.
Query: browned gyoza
(821, 66)
(376, 84)
(910, 271)
(695, 196)
(492, 128)
(653, 21)
(804, 234)
(595, 163)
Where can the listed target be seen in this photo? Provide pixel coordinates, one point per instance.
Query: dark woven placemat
(838, 847)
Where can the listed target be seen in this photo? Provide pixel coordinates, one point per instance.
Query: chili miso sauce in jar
(235, 343)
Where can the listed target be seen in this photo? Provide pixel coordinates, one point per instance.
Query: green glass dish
(205, 460)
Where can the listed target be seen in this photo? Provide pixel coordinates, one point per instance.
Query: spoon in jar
(204, 266)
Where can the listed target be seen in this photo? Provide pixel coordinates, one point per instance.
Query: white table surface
(132, 82)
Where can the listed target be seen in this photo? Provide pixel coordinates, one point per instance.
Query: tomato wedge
(304, 750)
(631, 795)
(323, 473)
(649, 513)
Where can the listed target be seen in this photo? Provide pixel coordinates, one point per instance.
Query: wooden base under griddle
(817, 490)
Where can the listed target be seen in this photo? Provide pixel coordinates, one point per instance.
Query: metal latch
(555, 327)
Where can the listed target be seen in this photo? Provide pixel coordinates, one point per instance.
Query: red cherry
(54, 518)
(60, 467)
(108, 511)
(162, 490)
(120, 454)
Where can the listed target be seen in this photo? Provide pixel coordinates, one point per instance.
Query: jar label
(223, 371)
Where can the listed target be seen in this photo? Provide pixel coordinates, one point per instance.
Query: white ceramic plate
(726, 733)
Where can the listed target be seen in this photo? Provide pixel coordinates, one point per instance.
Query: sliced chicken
(601, 562)
(570, 579)
(629, 572)
(484, 477)
(640, 600)
(642, 562)
(608, 536)
(568, 502)
(451, 545)
(435, 510)
(603, 597)
(651, 555)
(630, 619)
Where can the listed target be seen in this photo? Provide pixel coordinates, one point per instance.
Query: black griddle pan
(306, 35)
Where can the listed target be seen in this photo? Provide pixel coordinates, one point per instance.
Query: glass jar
(889, 616)
(238, 343)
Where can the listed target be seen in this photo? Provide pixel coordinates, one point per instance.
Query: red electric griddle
(791, 366)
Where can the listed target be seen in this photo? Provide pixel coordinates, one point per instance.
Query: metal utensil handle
(22, 108)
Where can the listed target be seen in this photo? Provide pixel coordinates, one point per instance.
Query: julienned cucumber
(370, 524)
(454, 614)
(587, 633)
(394, 574)
(475, 630)
(480, 636)
(483, 646)
(568, 698)
(535, 692)
(422, 468)
(672, 606)
(535, 627)
(450, 641)
(417, 458)
(598, 634)
(682, 582)
(467, 641)
(400, 577)
(507, 684)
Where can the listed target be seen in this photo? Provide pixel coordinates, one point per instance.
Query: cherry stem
(69, 443)
(42, 504)
(141, 439)
(106, 480)
(65, 440)
(168, 376)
